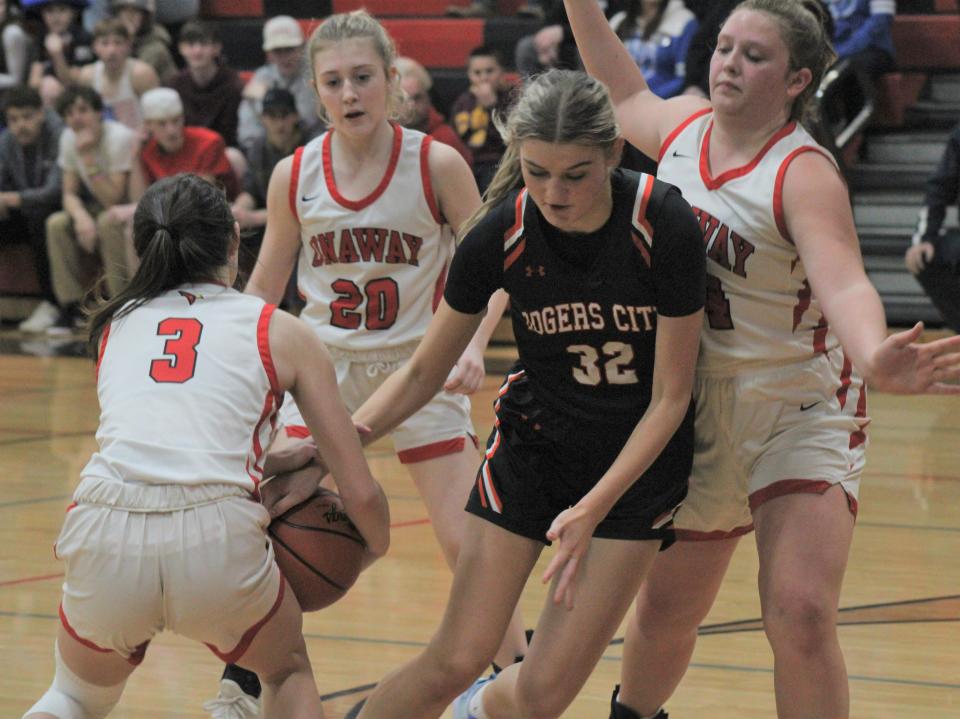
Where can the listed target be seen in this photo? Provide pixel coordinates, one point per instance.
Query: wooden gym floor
(900, 605)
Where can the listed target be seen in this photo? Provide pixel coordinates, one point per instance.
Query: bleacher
(914, 106)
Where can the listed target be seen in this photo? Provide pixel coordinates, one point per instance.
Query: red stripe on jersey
(820, 336)
(678, 129)
(778, 189)
(269, 412)
(804, 295)
(378, 190)
(427, 181)
(844, 382)
(712, 183)
(295, 181)
(103, 346)
(73, 633)
(642, 246)
(860, 436)
(431, 451)
(263, 344)
(297, 431)
(438, 287)
(514, 255)
(238, 651)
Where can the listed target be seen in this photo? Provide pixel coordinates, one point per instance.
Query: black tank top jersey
(586, 334)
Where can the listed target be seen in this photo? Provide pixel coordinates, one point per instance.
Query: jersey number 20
(614, 366)
(184, 333)
(382, 298)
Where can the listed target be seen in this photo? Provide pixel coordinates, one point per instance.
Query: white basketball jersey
(371, 270)
(188, 392)
(759, 310)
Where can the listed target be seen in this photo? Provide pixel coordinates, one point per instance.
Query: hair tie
(164, 228)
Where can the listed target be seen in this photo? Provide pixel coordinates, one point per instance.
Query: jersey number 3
(615, 368)
(181, 348)
(382, 298)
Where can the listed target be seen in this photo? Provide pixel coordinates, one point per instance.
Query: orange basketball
(318, 549)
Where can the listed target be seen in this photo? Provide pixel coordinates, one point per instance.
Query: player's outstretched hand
(901, 365)
(287, 490)
(571, 530)
(468, 374)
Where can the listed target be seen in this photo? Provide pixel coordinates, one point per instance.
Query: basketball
(318, 549)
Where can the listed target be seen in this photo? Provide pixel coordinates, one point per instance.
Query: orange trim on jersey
(378, 190)
(513, 242)
(263, 344)
(495, 504)
(427, 181)
(641, 219)
(295, 181)
(515, 255)
(296, 431)
(680, 128)
(438, 287)
(238, 651)
(103, 346)
(135, 658)
(431, 451)
(778, 189)
(693, 535)
(797, 486)
(712, 183)
(483, 499)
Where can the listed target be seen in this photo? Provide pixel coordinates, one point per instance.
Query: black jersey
(586, 334)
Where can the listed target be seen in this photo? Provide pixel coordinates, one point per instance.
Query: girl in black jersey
(592, 443)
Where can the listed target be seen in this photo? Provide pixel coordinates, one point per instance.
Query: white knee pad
(70, 697)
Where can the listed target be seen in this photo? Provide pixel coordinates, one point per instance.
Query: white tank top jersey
(371, 270)
(760, 310)
(188, 391)
(124, 104)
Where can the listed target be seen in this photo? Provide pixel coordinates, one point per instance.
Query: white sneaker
(233, 703)
(42, 317)
(461, 705)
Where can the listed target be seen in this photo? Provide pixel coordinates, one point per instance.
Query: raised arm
(281, 239)
(645, 119)
(819, 221)
(305, 368)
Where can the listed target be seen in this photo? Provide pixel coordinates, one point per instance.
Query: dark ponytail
(182, 230)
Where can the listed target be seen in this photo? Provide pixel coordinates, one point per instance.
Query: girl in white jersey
(165, 530)
(367, 212)
(792, 329)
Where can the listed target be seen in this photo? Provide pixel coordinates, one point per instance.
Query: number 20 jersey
(188, 392)
(371, 270)
(760, 310)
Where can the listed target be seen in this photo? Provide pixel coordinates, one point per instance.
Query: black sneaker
(68, 321)
(621, 711)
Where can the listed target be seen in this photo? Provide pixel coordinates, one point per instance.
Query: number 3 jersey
(188, 392)
(760, 310)
(371, 270)
(585, 307)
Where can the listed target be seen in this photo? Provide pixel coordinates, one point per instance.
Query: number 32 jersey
(188, 392)
(371, 270)
(586, 330)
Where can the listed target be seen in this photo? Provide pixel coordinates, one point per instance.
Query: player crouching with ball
(162, 532)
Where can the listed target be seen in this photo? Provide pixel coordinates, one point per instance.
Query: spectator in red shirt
(419, 112)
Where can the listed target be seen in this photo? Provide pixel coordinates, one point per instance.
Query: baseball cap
(281, 31)
(278, 99)
(161, 103)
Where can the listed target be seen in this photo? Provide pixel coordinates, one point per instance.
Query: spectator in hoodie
(418, 110)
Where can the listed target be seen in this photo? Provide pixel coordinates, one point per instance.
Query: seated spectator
(657, 34)
(209, 89)
(63, 48)
(934, 256)
(15, 48)
(862, 33)
(151, 41)
(419, 112)
(30, 188)
(489, 92)
(534, 9)
(119, 79)
(96, 157)
(283, 44)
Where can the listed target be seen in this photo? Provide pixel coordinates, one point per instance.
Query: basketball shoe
(239, 695)
(461, 705)
(620, 711)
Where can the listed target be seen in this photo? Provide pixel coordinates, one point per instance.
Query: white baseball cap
(281, 31)
(161, 103)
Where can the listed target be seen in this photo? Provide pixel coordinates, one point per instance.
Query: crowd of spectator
(94, 117)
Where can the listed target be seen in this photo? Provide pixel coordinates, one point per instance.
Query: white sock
(475, 706)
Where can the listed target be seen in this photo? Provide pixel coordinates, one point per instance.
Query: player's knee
(70, 697)
(660, 615)
(801, 620)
